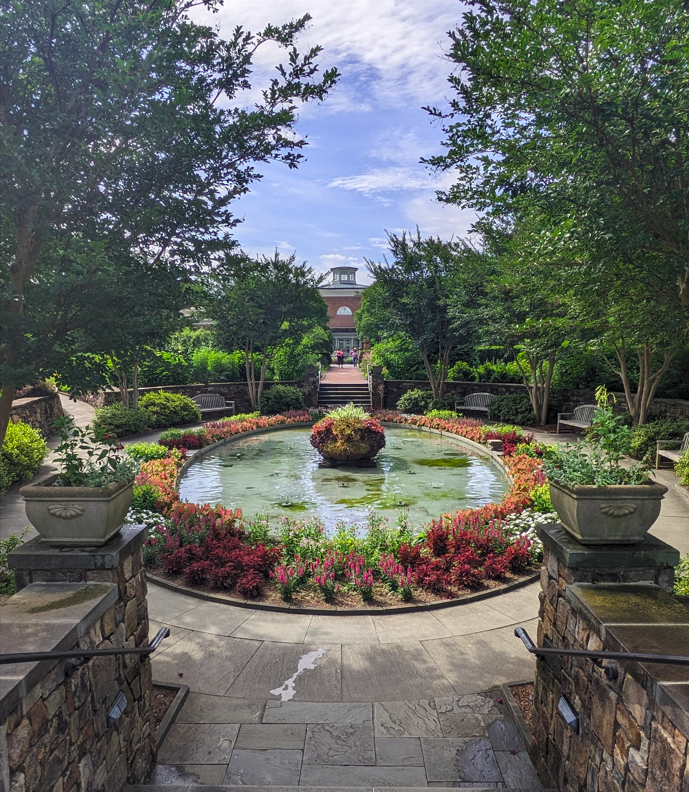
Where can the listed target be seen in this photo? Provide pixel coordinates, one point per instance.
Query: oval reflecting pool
(278, 473)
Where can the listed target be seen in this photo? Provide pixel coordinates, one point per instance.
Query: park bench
(671, 454)
(213, 403)
(580, 419)
(475, 401)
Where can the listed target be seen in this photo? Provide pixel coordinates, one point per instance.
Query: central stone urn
(348, 434)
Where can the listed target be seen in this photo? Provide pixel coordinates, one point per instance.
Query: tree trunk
(250, 372)
(6, 400)
(430, 374)
(122, 381)
(135, 385)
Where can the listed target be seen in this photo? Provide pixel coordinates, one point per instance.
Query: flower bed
(216, 549)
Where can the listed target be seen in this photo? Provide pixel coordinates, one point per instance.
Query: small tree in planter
(86, 503)
(348, 434)
(597, 499)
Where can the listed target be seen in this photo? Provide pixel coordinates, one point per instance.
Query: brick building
(343, 298)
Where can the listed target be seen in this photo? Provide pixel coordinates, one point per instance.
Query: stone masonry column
(58, 735)
(591, 596)
(377, 388)
(310, 387)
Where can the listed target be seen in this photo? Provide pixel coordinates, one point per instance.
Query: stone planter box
(619, 514)
(77, 516)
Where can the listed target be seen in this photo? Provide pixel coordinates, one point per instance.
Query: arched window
(344, 311)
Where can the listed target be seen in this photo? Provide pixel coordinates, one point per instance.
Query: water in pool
(278, 473)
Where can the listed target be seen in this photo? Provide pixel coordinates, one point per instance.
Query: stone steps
(344, 394)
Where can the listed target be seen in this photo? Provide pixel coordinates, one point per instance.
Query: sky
(362, 175)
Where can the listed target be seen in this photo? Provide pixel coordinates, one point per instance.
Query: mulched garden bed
(161, 701)
(523, 695)
(310, 597)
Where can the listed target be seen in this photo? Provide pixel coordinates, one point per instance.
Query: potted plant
(86, 502)
(598, 500)
(348, 434)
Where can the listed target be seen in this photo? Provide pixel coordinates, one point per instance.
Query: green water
(279, 473)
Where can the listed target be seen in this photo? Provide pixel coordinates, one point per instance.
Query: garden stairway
(262, 788)
(344, 393)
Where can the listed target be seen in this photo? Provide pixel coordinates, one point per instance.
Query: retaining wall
(40, 412)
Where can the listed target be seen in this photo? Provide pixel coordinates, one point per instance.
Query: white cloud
(383, 180)
(395, 46)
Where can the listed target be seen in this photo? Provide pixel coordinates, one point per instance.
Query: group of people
(340, 356)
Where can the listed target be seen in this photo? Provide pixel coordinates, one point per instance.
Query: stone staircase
(344, 393)
(249, 788)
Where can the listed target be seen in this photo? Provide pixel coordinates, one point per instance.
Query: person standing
(355, 357)
(340, 357)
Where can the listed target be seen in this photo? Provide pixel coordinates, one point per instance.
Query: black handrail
(640, 656)
(30, 657)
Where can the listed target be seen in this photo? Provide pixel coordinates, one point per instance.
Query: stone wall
(560, 400)
(40, 412)
(57, 737)
(632, 730)
(233, 391)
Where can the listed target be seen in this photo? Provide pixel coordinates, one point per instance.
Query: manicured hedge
(22, 453)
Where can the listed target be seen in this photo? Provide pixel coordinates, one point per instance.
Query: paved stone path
(396, 700)
(346, 375)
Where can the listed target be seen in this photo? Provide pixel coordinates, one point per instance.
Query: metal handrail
(29, 657)
(319, 375)
(368, 376)
(539, 651)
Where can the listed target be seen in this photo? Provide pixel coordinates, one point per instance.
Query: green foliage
(644, 437)
(170, 434)
(86, 461)
(213, 365)
(540, 499)
(7, 581)
(400, 359)
(145, 497)
(281, 398)
(143, 452)
(293, 356)
(258, 530)
(513, 407)
(169, 409)
(22, 453)
(116, 420)
(497, 371)
(415, 402)
(241, 416)
(348, 412)
(447, 414)
(682, 469)
(682, 577)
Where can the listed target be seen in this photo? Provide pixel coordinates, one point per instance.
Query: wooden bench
(213, 403)
(670, 454)
(581, 418)
(475, 401)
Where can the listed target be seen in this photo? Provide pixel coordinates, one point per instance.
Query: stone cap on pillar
(37, 554)
(651, 553)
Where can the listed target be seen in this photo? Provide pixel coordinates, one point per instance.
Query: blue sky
(362, 175)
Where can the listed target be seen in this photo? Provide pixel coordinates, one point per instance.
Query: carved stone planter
(77, 516)
(619, 514)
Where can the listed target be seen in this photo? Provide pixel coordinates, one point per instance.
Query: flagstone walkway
(391, 700)
(346, 375)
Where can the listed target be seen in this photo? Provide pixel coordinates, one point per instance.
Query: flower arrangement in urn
(348, 434)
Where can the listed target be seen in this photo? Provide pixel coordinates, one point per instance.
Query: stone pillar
(310, 387)
(58, 735)
(613, 598)
(377, 388)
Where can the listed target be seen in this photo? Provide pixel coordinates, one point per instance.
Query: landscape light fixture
(567, 711)
(117, 708)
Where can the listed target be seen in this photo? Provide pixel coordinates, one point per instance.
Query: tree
(412, 295)
(579, 112)
(259, 304)
(121, 122)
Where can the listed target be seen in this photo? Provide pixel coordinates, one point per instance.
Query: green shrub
(144, 452)
(241, 416)
(415, 402)
(170, 434)
(682, 469)
(116, 420)
(282, 398)
(22, 453)
(644, 438)
(213, 365)
(513, 407)
(446, 402)
(461, 372)
(682, 577)
(400, 359)
(145, 497)
(169, 409)
(7, 581)
(497, 371)
(447, 414)
(540, 499)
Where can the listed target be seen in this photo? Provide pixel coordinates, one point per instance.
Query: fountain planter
(77, 516)
(616, 514)
(350, 438)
